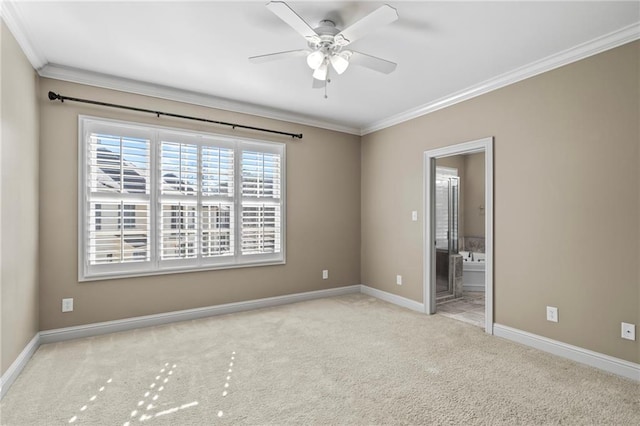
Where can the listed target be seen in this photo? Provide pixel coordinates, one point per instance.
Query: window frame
(157, 266)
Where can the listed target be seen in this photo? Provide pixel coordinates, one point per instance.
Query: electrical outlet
(552, 314)
(67, 305)
(414, 216)
(325, 274)
(628, 331)
(399, 279)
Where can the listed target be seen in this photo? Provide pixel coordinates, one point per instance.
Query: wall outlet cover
(628, 331)
(552, 314)
(325, 274)
(67, 305)
(399, 279)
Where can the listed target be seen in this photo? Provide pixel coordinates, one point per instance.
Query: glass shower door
(446, 224)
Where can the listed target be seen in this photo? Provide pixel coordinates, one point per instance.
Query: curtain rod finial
(53, 96)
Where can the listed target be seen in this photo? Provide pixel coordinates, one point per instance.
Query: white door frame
(481, 145)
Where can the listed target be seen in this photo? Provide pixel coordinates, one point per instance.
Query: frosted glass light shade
(315, 59)
(321, 72)
(339, 62)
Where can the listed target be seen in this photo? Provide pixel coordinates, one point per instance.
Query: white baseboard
(95, 329)
(473, 287)
(604, 362)
(392, 298)
(594, 359)
(16, 367)
(61, 334)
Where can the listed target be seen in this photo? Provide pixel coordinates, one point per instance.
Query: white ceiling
(446, 51)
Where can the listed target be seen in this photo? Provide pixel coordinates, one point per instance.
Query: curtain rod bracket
(55, 96)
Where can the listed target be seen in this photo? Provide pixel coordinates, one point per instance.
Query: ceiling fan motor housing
(326, 37)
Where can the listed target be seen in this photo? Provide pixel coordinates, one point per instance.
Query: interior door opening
(458, 263)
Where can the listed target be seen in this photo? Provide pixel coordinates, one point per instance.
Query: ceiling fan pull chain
(326, 82)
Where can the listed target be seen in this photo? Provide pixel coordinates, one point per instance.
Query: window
(156, 200)
(446, 215)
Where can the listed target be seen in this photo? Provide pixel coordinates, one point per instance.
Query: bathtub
(473, 272)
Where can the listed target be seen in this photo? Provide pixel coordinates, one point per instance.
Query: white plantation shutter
(261, 201)
(217, 229)
(178, 200)
(158, 200)
(260, 228)
(217, 201)
(117, 226)
(443, 175)
(179, 232)
(217, 171)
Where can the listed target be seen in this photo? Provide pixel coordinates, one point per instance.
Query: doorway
(433, 224)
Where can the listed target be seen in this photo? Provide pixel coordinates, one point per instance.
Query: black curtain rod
(53, 96)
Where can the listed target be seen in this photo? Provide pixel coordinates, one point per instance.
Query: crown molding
(11, 16)
(90, 78)
(584, 50)
(13, 20)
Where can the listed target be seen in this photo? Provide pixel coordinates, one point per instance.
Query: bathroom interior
(460, 237)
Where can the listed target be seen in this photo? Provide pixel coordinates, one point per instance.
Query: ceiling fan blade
(279, 55)
(381, 16)
(376, 64)
(284, 12)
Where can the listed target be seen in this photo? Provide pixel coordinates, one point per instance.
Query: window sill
(175, 270)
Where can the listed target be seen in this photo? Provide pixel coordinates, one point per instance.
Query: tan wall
(19, 201)
(567, 206)
(323, 216)
(473, 195)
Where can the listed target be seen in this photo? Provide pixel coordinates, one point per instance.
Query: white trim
(75, 75)
(95, 329)
(604, 362)
(428, 235)
(556, 60)
(14, 370)
(429, 291)
(473, 287)
(488, 230)
(576, 53)
(594, 359)
(599, 44)
(12, 18)
(392, 298)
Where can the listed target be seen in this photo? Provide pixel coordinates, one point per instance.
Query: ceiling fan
(326, 43)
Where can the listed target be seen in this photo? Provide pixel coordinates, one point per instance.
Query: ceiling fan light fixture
(315, 59)
(340, 62)
(321, 72)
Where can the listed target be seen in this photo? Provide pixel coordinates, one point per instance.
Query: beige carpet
(343, 360)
